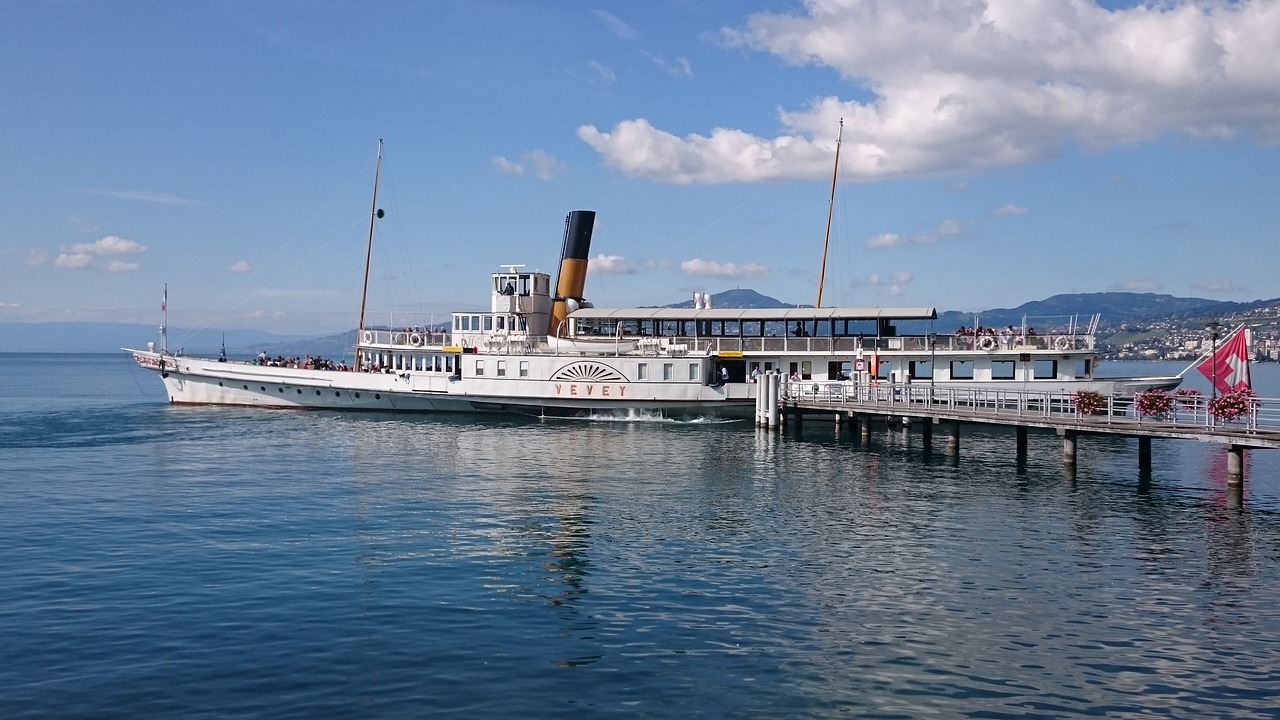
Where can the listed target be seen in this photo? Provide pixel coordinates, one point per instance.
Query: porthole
(337, 393)
(282, 389)
(219, 384)
(377, 396)
(299, 391)
(357, 395)
(246, 387)
(317, 392)
(262, 388)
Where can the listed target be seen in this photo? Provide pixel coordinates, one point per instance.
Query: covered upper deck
(802, 314)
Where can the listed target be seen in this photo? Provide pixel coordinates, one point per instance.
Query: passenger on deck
(510, 289)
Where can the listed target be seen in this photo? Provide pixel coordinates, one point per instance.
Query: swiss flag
(1229, 367)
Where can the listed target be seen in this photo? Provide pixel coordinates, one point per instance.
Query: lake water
(209, 562)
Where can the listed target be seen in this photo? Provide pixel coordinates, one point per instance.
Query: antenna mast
(368, 257)
(822, 274)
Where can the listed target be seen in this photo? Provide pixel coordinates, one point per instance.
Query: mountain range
(1118, 310)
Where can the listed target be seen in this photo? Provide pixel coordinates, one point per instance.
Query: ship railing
(787, 344)
(404, 337)
(1263, 415)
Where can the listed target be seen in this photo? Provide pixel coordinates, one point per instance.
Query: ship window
(693, 371)
(457, 322)
(524, 368)
(488, 322)
(479, 367)
(1084, 368)
(1046, 369)
(642, 371)
(668, 371)
(806, 370)
(1001, 369)
(960, 369)
(502, 368)
(502, 322)
(884, 368)
(921, 369)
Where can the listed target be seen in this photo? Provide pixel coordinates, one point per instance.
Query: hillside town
(1187, 339)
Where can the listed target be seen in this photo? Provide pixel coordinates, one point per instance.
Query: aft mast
(374, 214)
(822, 274)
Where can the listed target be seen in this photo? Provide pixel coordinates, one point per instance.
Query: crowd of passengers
(305, 363)
(1007, 336)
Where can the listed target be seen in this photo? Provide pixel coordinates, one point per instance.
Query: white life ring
(416, 340)
(368, 336)
(987, 343)
(399, 339)
(1062, 342)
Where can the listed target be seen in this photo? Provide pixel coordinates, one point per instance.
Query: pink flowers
(1233, 405)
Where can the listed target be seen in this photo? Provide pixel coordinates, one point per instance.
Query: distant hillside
(739, 298)
(1119, 310)
(1116, 308)
(88, 337)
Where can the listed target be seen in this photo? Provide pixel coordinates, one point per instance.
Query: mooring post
(864, 428)
(1235, 465)
(1068, 447)
(953, 439)
(1144, 453)
(1021, 444)
(926, 430)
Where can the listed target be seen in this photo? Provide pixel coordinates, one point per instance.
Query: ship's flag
(1229, 366)
(164, 301)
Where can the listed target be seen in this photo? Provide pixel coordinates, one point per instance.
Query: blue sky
(994, 152)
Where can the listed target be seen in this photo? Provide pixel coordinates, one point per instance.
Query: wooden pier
(951, 408)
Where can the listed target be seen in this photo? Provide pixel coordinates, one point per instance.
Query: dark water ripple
(164, 562)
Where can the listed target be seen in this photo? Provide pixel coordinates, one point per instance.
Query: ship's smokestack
(573, 266)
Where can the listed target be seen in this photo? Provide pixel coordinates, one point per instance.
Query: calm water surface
(180, 562)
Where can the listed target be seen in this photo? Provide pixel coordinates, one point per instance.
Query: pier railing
(1012, 405)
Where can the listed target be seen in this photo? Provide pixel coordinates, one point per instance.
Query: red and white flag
(164, 300)
(1229, 366)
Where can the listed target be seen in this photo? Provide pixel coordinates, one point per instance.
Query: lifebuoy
(416, 340)
(987, 343)
(1062, 343)
(399, 339)
(368, 336)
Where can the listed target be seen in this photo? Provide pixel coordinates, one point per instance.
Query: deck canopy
(749, 314)
(745, 322)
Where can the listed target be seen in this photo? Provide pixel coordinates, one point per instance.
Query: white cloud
(902, 278)
(73, 260)
(680, 67)
(36, 257)
(240, 266)
(615, 25)
(1009, 211)
(969, 85)
(945, 229)
(109, 245)
(1138, 286)
(144, 196)
(83, 255)
(1218, 286)
(612, 264)
(542, 164)
(602, 72)
(885, 240)
(507, 167)
(698, 267)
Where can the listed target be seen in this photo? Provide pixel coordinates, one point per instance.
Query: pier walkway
(1188, 419)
